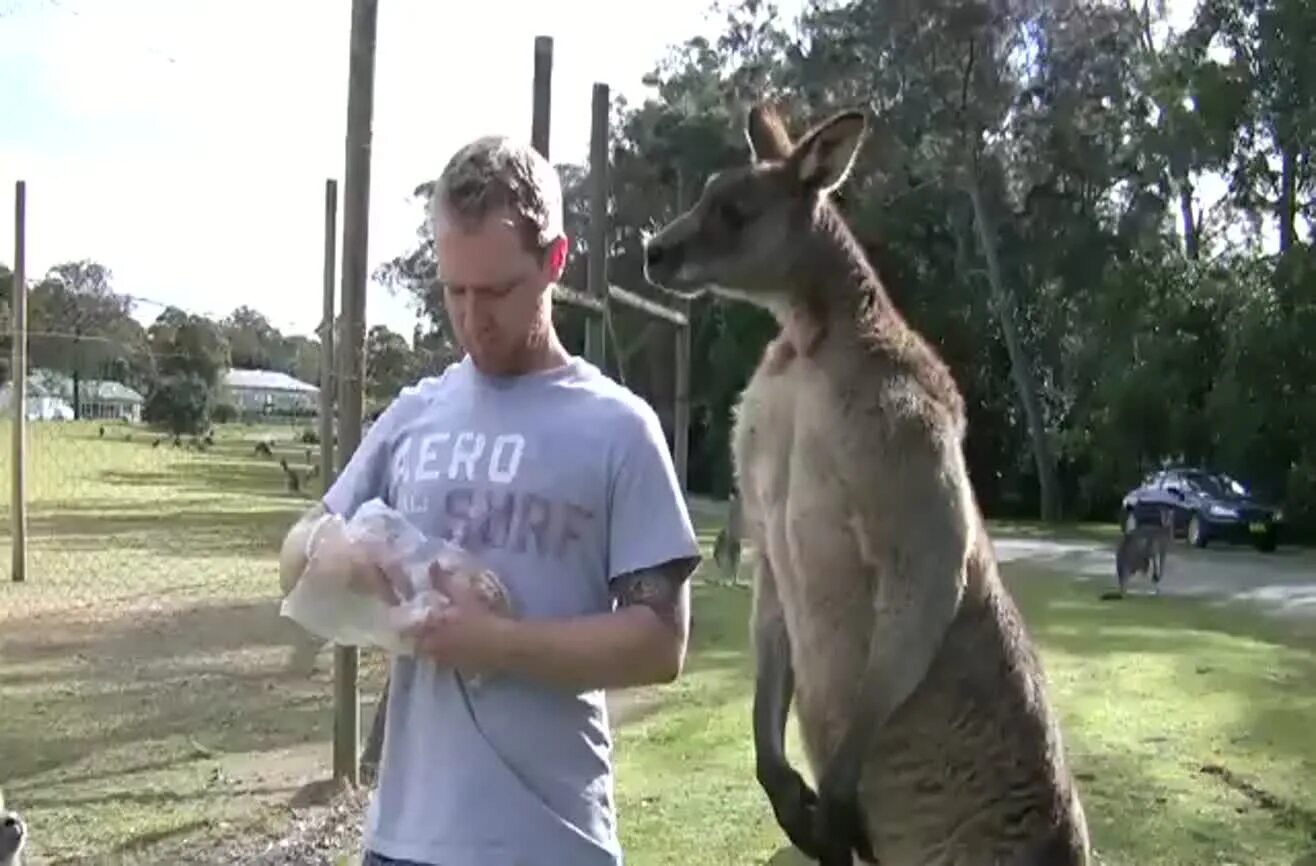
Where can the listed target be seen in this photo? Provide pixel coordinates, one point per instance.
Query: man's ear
(825, 155)
(555, 258)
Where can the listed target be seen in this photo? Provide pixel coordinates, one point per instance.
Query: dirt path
(1282, 583)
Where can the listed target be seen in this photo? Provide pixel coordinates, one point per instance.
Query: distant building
(41, 405)
(268, 392)
(97, 398)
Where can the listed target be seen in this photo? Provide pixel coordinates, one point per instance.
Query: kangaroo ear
(825, 155)
(766, 133)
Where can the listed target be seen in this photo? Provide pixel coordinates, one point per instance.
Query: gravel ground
(327, 835)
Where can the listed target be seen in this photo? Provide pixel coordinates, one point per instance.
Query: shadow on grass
(212, 674)
(210, 530)
(1184, 660)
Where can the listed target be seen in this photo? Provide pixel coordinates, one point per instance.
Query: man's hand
(465, 634)
(639, 643)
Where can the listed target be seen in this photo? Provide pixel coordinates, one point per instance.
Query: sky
(185, 145)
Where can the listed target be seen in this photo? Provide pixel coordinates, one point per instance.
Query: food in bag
(368, 579)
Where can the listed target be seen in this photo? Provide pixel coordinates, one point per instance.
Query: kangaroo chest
(789, 469)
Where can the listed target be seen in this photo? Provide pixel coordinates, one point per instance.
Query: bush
(310, 437)
(180, 403)
(224, 413)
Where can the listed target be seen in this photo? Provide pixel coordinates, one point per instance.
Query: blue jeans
(370, 858)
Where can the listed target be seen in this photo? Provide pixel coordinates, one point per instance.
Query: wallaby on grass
(1142, 551)
(877, 607)
(726, 547)
(13, 835)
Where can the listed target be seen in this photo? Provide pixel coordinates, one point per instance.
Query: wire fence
(144, 649)
(153, 475)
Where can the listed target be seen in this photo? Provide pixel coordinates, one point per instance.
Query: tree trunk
(1020, 368)
(1191, 247)
(1288, 192)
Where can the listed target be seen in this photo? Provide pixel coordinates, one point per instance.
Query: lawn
(143, 662)
(146, 701)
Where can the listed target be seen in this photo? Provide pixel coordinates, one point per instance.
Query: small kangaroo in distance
(1142, 551)
(877, 606)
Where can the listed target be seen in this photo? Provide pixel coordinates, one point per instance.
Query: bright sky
(185, 145)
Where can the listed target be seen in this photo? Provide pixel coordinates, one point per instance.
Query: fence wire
(144, 650)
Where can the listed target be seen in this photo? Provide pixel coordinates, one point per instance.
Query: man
(559, 480)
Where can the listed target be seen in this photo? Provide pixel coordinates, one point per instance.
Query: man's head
(496, 211)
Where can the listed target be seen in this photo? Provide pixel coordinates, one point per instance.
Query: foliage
(80, 326)
(179, 402)
(1102, 222)
(224, 413)
(1037, 195)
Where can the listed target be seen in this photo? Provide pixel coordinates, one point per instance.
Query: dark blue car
(1207, 506)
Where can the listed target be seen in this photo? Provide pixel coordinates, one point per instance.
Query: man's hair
(494, 172)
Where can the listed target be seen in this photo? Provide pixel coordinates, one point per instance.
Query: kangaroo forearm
(774, 679)
(917, 600)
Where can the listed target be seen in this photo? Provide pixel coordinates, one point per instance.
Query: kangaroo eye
(731, 214)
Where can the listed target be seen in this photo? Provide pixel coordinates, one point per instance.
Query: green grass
(144, 697)
(1173, 710)
(142, 662)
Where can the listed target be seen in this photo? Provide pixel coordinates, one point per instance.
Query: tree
(190, 353)
(254, 343)
(390, 363)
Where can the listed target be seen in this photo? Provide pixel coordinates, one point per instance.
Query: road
(1282, 583)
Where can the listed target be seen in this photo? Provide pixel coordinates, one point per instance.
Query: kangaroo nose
(653, 254)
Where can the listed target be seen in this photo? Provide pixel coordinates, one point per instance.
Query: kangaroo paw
(795, 806)
(839, 830)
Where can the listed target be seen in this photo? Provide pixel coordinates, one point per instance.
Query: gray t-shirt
(559, 481)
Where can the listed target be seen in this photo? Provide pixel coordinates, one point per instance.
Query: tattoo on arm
(663, 589)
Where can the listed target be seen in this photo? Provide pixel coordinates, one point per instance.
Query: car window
(1208, 484)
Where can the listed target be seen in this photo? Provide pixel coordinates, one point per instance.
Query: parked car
(1207, 506)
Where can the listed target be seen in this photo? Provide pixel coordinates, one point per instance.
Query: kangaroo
(877, 605)
(1142, 551)
(13, 836)
(726, 547)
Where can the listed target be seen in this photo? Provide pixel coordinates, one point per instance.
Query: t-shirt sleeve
(649, 523)
(365, 476)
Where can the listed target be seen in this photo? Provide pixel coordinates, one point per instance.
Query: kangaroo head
(748, 232)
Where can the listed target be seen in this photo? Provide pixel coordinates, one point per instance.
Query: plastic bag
(337, 598)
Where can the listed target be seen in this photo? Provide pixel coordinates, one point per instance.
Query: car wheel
(1130, 521)
(1196, 532)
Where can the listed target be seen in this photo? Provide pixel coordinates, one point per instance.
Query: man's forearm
(630, 646)
(643, 641)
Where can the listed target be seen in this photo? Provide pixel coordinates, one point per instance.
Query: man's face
(494, 289)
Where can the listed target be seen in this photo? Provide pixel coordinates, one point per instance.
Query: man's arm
(641, 641)
(292, 556)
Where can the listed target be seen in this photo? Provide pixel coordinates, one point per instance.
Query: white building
(97, 398)
(41, 404)
(268, 392)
